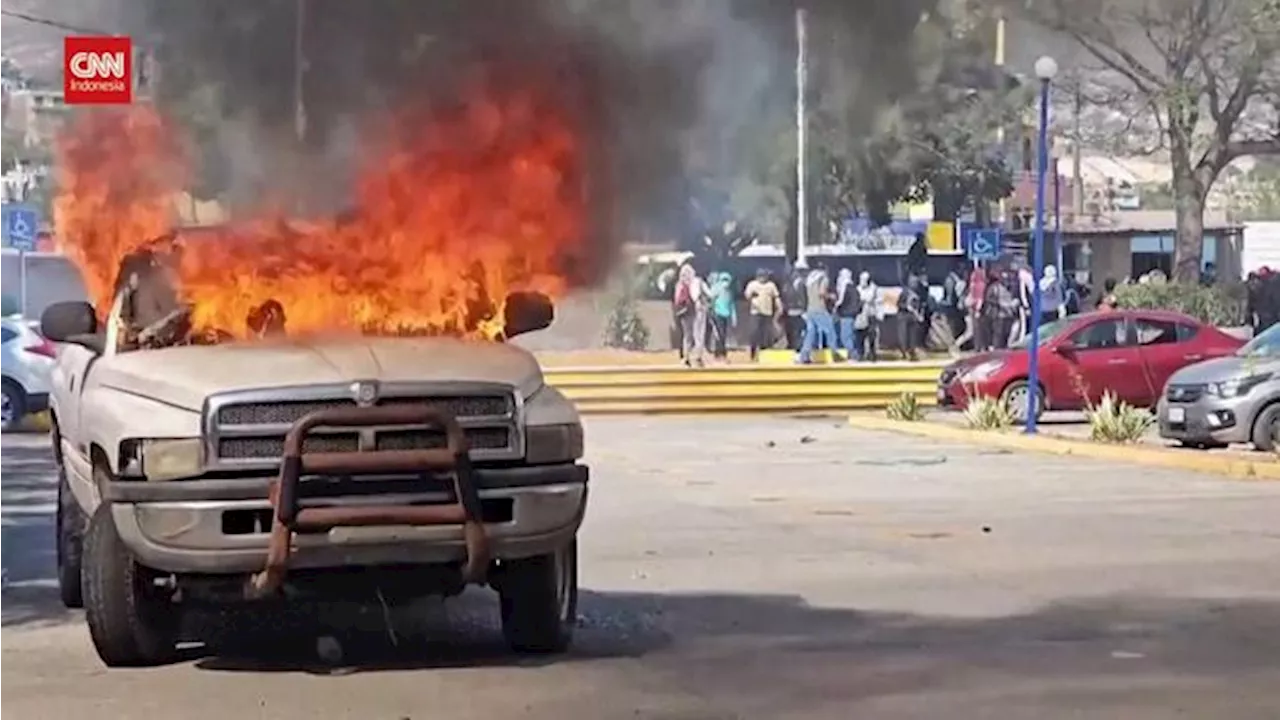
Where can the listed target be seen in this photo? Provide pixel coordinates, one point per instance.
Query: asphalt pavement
(765, 568)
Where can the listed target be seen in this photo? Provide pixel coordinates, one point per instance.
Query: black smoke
(664, 88)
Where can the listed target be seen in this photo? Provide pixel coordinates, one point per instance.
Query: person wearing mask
(794, 298)
(1053, 302)
(1024, 285)
(764, 303)
(819, 328)
(724, 314)
(848, 306)
(1108, 299)
(1002, 308)
(975, 288)
(690, 306)
(910, 319)
(866, 326)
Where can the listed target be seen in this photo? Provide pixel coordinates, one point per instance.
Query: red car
(1129, 352)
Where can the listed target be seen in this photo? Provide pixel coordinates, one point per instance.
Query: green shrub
(906, 407)
(1220, 305)
(624, 328)
(1114, 421)
(988, 413)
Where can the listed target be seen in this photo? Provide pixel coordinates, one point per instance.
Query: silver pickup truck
(232, 472)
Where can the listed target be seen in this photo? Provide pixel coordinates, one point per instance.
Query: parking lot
(766, 568)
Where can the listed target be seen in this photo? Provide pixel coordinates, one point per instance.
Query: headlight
(160, 460)
(982, 371)
(1238, 387)
(548, 444)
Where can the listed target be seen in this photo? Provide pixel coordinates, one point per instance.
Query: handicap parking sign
(984, 244)
(21, 226)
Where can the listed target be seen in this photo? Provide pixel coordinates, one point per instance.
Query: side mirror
(68, 322)
(1065, 348)
(526, 312)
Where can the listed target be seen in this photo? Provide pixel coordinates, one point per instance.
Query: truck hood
(185, 376)
(1222, 369)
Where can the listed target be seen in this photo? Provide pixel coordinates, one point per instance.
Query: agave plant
(988, 413)
(906, 408)
(1115, 421)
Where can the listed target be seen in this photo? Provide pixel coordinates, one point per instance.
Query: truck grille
(247, 429)
(1184, 393)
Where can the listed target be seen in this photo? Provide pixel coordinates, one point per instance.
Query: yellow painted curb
(1159, 457)
(744, 388)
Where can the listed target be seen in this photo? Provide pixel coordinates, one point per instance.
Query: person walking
(1053, 300)
(794, 299)
(1002, 310)
(764, 303)
(724, 314)
(819, 328)
(848, 306)
(866, 326)
(1108, 301)
(971, 303)
(690, 306)
(910, 319)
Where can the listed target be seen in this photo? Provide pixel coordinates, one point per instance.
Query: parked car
(27, 361)
(1131, 353)
(1233, 399)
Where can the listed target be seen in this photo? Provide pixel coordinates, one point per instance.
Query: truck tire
(539, 601)
(69, 541)
(131, 622)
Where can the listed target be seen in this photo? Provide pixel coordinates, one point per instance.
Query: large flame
(455, 212)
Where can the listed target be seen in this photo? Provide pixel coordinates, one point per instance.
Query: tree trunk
(1188, 201)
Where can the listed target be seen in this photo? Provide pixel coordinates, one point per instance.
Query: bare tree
(1203, 73)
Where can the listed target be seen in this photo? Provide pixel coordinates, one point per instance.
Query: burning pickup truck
(195, 467)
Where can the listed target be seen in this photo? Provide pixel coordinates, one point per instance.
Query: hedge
(1222, 305)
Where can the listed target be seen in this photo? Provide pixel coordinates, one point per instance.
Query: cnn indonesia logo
(97, 70)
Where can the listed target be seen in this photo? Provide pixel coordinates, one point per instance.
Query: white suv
(27, 361)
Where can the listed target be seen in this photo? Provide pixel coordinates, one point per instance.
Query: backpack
(683, 299)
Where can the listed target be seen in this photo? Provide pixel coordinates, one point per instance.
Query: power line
(53, 23)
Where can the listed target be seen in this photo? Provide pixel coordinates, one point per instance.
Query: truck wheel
(539, 599)
(69, 542)
(131, 622)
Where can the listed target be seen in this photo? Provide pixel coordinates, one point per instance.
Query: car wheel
(1266, 428)
(539, 601)
(13, 405)
(132, 622)
(1015, 397)
(69, 543)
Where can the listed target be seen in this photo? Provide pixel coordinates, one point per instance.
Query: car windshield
(1047, 332)
(1265, 345)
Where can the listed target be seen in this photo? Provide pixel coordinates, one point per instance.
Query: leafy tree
(1203, 74)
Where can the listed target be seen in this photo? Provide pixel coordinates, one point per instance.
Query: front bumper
(219, 526)
(1209, 419)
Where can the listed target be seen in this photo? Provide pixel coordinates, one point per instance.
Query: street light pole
(1045, 68)
(802, 72)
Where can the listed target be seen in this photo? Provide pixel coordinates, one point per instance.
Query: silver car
(1234, 399)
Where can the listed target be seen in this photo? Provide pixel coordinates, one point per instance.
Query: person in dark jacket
(794, 300)
(911, 320)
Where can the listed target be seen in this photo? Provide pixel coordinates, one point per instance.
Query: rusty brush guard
(289, 517)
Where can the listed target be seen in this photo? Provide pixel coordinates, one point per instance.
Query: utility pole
(1000, 140)
(299, 69)
(1077, 155)
(802, 71)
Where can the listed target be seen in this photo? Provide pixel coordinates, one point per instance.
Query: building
(1131, 243)
(37, 114)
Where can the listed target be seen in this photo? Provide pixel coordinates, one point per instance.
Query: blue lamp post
(1046, 68)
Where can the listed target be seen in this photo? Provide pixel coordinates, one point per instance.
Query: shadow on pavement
(772, 641)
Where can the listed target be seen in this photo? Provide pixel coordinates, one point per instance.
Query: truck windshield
(1265, 345)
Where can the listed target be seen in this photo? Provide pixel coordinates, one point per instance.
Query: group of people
(991, 307)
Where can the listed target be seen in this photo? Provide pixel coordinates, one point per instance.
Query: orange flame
(453, 215)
